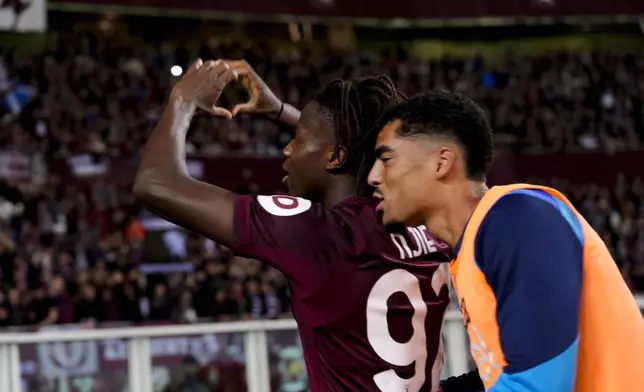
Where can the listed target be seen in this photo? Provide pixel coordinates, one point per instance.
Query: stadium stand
(80, 252)
(553, 102)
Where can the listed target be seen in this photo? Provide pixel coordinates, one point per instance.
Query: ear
(336, 158)
(445, 162)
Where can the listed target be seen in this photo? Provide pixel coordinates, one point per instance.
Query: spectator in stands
(225, 308)
(63, 302)
(17, 308)
(7, 257)
(127, 296)
(89, 306)
(185, 312)
(43, 310)
(5, 314)
(160, 304)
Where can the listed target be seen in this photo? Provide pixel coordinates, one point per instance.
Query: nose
(375, 175)
(288, 149)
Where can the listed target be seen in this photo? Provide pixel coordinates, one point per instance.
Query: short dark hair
(444, 113)
(355, 106)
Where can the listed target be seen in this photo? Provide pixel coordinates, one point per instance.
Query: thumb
(243, 108)
(221, 112)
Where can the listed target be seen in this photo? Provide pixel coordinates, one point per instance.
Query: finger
(254, 96)
(241, 67)
(227, 76)
(220, 74)
(222, 68)
(221, 112)
(238, 64)
(194, 66)
(245, 75)
(209, 66)
(212, 63)
(243, 108)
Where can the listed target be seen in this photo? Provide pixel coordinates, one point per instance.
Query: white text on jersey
(422, 244)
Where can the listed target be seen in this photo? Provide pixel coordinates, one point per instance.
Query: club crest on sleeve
(282, 205)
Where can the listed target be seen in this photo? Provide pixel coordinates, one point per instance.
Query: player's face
(402, 177)
(307, 154)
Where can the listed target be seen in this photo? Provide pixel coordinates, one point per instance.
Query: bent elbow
(147, 188)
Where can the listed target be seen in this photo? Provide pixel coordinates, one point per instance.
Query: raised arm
(162, 183)
(262, 100)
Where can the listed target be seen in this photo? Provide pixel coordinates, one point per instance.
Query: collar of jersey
(457, 248)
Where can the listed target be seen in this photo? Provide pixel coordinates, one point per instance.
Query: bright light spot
(176, 70)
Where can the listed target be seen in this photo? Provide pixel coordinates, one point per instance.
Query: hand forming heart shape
(203, 84)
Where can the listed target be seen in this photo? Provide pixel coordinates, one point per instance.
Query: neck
(340, 188)
(448, 224)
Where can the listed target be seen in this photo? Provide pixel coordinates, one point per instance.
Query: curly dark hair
(355, 108)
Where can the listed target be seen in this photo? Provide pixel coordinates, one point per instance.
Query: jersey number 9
(397, 354)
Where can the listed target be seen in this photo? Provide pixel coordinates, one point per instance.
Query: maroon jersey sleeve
(292, 234)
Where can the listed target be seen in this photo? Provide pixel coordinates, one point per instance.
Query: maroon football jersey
(369, 304)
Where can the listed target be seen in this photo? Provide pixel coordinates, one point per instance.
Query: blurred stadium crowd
(71, 255)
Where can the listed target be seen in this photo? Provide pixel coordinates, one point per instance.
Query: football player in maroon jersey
(369, 303)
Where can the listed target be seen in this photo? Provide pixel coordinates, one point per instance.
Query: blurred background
(82, 83)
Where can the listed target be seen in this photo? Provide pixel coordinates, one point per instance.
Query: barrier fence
(253, 356)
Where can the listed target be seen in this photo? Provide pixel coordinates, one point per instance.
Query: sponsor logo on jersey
(282, 205)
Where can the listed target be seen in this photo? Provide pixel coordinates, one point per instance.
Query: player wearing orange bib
(543, 302)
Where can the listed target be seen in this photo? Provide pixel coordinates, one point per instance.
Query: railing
(63, 357)
(72, 359)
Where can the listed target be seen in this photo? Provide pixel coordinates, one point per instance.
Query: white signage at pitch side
(23, 16)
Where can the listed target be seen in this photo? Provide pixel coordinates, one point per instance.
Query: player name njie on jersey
(422, 244)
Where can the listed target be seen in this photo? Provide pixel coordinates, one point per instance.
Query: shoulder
(298, 208)
(361, 225)
(355, 208)
(279, 205)
(358, 216)
(525, 201)
(525, 220)
(288, 224)
(528, 210)
(268, 212)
